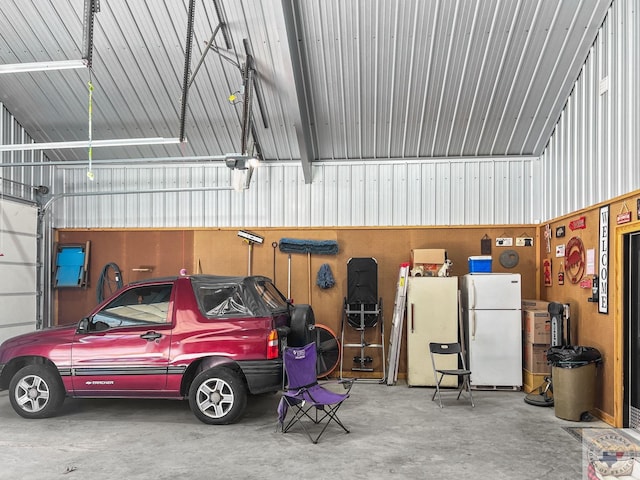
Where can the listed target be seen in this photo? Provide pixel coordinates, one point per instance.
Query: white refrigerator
(493, 328)
(432, 316)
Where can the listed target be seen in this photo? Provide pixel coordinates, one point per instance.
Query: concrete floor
(396, 432)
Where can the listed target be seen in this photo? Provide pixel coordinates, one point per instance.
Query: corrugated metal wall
(19, 182)
(593, 154)
(447, 192)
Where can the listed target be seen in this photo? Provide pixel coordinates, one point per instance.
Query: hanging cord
(90, 175)
(104, 281)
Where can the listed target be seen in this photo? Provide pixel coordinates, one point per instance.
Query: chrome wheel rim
(32, 393)
(215, 398)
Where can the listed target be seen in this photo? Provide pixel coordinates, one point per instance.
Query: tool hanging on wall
(109, 281)
(317, 247)
(250, 239)
(274, 245)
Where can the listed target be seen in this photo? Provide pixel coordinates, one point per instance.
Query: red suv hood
(37, 343)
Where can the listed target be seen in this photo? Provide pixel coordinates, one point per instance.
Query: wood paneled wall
(221, 251)
(140, 254)
(588, 326)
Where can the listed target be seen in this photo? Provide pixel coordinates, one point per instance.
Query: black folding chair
(464, 375)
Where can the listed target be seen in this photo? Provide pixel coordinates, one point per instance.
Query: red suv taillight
(272, 345)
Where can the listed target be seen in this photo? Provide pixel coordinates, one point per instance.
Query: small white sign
(504, 241)
(524, 242)
(560, 250)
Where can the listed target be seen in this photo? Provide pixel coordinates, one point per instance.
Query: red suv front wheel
(36, 391)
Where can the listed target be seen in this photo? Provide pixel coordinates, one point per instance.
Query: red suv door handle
(151, 336)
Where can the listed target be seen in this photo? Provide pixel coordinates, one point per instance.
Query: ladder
(396, 324)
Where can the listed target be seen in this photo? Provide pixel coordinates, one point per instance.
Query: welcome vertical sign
(603, 270)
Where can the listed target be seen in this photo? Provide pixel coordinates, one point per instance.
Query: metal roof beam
(304, 133)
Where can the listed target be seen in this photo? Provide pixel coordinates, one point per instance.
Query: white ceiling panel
(337, 80)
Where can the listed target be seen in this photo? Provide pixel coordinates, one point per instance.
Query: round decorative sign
(509, 258)
(575, 260)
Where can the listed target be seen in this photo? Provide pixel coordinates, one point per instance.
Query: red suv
(207, 338)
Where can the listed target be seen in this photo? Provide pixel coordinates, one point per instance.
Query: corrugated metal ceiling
(358, 79)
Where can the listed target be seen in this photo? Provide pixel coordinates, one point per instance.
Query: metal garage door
(18, 268)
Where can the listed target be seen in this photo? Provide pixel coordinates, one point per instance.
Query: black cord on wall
(111, 282)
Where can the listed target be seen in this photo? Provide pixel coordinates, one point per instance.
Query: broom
(318, 247)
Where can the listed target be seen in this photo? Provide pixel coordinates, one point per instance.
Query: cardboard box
(427, 261)
(535, 305)
(536, 326)
(428, 256)
(535, 358)
(532, 381)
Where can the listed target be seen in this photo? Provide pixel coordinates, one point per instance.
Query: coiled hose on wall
(110, 279)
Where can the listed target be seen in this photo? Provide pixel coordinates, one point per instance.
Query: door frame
(619, 322)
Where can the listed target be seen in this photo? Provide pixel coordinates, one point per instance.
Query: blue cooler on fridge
(480, 264)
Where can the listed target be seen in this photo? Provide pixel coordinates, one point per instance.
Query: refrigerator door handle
(412, 315)
(472, 294)
(473, 324)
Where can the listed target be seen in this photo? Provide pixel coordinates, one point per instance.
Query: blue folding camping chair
(310, 402)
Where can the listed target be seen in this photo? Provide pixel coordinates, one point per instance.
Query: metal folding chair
(464, 375)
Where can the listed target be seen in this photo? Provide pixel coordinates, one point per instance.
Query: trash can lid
(572, 356)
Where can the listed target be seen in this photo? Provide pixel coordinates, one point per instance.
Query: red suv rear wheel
(218, 396)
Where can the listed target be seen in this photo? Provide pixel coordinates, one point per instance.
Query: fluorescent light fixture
(115, 142)
(42, 66)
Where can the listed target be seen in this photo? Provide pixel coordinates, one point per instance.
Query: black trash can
(573, 375)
